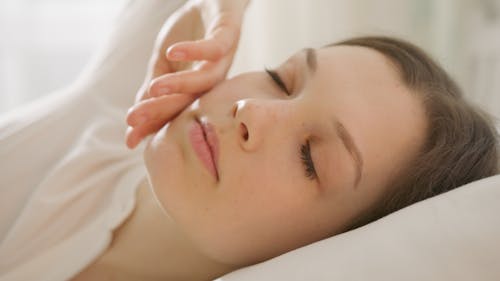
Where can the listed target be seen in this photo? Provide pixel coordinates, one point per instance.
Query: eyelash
(305, 149)
(277, 79)
(305, 156)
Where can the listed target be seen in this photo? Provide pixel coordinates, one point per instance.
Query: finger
(158, 116)
(128, 141)
(218, 44)
(131, 140)
(187, 82)
(163, 108)
(136, 134)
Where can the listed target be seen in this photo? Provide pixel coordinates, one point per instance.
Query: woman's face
(292, 168)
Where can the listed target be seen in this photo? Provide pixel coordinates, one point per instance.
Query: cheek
(261, 212)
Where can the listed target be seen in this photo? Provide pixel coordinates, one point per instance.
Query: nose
(253, 119)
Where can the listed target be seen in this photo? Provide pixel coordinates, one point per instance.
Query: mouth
(205, 144)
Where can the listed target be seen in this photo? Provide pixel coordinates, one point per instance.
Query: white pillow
(454, 236)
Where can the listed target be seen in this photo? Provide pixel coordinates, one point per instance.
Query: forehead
(365, 92)
(358, 58)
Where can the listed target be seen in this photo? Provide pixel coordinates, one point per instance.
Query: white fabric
(67, 178)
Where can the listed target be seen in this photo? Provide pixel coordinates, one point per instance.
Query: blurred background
(44, 44)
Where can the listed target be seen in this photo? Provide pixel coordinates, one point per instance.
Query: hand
(205, 31)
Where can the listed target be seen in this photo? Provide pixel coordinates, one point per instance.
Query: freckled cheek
(263, 181)
(249, 172)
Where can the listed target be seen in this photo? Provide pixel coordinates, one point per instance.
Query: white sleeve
(117, 72)
(35, 137)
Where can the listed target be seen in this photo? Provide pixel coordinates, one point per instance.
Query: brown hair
(461, 145)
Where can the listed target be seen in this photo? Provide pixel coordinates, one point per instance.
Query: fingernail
(178, 55)
(141, 119)
(164, 91)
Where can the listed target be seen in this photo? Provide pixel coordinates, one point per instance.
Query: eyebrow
(311, 59)
(341, 131)
(351, 146)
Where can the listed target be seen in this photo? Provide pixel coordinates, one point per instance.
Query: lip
(205, 144)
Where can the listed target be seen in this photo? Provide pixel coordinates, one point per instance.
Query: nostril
(244, 131)
(234, 109)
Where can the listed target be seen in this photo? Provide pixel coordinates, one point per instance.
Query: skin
(263, 204)
(192, 53)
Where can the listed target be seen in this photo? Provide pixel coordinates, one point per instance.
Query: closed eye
(277, 79)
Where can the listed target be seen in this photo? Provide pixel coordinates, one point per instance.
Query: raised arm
(193, 52)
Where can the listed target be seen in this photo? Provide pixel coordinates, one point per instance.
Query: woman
(270, 161)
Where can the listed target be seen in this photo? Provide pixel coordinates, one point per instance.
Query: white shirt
(67, 179)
